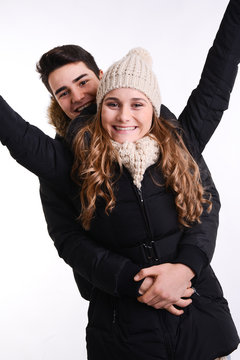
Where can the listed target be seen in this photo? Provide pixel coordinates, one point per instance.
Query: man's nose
(76, 96)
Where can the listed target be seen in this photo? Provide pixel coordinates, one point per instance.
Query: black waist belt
(159, 251)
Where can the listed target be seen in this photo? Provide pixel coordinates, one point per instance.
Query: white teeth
(82, 107)
(125, 128)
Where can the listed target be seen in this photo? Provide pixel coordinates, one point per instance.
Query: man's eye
(82, 83)
(63, 94)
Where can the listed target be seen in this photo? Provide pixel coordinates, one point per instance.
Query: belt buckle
(150, 251)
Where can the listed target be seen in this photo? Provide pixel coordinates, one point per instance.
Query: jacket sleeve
(49, 159)
(199, 120)
(30, 147)
(210, 99)
(198, 242)
(92, 263)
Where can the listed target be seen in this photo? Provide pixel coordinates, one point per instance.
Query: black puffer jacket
(119, 326)
(60, 216)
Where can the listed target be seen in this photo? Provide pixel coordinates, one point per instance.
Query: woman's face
(126, 114)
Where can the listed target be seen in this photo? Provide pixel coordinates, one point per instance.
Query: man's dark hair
(63, 55)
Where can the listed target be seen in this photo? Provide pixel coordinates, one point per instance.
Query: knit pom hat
(132, 71)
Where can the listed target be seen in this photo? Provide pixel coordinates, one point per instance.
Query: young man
(71, 76)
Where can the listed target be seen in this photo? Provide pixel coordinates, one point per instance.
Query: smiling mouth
(80, 108)
(129, 128)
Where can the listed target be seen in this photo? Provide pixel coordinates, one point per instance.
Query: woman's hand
(165, 285)
(148, 282)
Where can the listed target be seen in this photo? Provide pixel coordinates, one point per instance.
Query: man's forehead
(67, 75)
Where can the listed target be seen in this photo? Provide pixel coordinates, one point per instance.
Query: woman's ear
(100, 74)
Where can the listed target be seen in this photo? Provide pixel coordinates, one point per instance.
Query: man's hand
(165, 285)
(146, 284)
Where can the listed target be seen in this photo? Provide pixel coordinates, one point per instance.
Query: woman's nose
(124, 114)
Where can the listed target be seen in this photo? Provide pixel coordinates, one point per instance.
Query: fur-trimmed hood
(58, 118)
(61, 121)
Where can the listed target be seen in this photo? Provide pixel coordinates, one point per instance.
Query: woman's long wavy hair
(95, 163)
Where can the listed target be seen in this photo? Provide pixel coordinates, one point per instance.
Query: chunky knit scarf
(138, 156)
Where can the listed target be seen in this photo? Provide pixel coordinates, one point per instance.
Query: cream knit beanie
(132, 71)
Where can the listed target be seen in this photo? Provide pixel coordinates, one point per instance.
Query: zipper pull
(195, 291)
(114, 316)
(140, 194)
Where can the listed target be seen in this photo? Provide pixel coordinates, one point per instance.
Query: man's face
(74, 86)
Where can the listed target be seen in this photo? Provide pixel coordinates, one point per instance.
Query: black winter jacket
(60, 216)
(119, 326)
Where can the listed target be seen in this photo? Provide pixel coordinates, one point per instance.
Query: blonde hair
(94, 169)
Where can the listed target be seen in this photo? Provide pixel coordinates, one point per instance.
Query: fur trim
(58, 118)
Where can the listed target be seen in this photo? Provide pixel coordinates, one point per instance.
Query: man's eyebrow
(60, 89)
(79, 77)
(74, 81)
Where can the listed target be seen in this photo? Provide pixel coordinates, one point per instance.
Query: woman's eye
(112, 104)
(137, 105)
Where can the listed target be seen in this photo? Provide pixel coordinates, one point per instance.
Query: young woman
(140, 190)
(140, 194)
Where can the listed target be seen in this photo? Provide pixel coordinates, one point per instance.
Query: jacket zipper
(115, 311)
(166, 336)
(140, 196)
(114, 314)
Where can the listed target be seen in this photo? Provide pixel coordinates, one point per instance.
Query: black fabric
(154, 251)
(75, 125)
(119, 326)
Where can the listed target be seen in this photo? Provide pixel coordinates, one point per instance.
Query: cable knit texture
(133, 71)
(138, 156)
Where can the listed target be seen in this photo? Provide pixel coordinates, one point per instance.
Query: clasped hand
(166, 285)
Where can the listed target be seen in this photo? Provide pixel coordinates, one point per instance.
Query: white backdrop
(42, 316)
